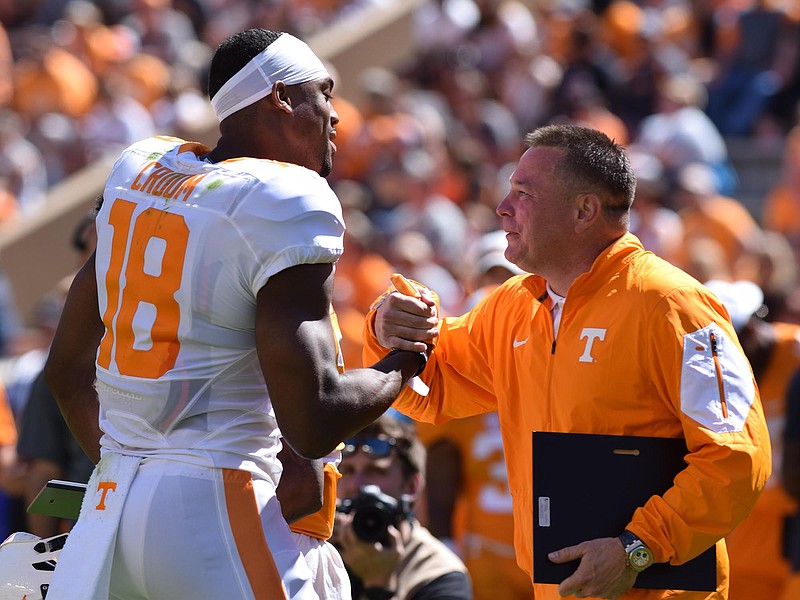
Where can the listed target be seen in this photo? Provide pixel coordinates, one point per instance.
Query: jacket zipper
(718, 368)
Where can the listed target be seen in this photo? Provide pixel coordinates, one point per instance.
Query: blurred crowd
(425, 149)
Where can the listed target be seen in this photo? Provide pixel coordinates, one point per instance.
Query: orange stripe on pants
(262, 573)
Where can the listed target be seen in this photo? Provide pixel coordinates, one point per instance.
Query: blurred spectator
(144, 77)
(387, 130)
(489, 268)
(634, 62)
(504, 30)
(708, 214)
(525, 87)
(680, 133)
(21, 164)
(115, 121)
(183, 109)
(480, 116)
(704, 259)
(362, 272)
(430, 212)
(46, 448)
(9, 512)
(659, 228)
(29, 346)
(586, 63)
(162, 30)
(28, 349)
(757, 67)
(781, 211)
(773, 266)
(6, 68)
(588, 108)
(51, 79)
(412, 254)
(57, 138)
(10, 321)
(82, 32)
(9, 207)
(441, 25)
(756, 547)
(393, 555)
(468, 503)
(791, 478)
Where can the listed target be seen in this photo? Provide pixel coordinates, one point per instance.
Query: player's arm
(70, 367)
(316, 406)
(300, 488)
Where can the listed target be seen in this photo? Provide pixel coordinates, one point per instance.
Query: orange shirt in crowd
(781, 211)
(6, 68)
(483, 523)
(724, 220)
(59, 82)
(8, 430)
(759, 568)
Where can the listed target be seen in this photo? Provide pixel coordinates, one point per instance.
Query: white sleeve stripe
(720, 410)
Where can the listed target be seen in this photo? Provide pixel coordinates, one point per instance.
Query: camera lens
(371, 523)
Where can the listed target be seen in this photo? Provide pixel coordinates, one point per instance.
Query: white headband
(287, 59)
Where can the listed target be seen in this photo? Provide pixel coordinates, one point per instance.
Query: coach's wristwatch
(639, 555)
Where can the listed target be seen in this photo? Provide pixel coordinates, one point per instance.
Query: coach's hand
(602, 572)
(407, 322)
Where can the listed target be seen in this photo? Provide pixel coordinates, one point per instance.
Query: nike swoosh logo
(518, 343)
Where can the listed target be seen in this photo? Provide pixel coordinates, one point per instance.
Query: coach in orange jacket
(605, 338)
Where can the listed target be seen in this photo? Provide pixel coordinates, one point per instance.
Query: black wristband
(422, 355)
(376, 593)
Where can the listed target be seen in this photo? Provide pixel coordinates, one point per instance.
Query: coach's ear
(588, 208)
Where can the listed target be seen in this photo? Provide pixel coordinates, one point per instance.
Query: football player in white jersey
(199, 334)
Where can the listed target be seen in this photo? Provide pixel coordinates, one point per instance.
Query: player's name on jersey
(157, 180)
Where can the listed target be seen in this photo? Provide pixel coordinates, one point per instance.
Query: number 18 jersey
(184, 246)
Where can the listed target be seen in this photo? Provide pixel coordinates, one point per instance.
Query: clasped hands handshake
(408, 318)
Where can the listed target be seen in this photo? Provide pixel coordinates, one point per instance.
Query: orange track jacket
(643, 349)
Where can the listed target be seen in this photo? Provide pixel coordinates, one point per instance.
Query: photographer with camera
(387, 552)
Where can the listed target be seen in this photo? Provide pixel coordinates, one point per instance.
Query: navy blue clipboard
(588, 486)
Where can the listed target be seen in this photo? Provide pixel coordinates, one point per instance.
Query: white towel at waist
(83, 571)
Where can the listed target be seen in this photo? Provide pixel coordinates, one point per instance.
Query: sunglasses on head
(377, 447)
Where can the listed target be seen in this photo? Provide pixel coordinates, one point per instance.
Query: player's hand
(602, 572)
(407, 322)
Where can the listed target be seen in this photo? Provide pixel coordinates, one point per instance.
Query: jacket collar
(606, 268)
